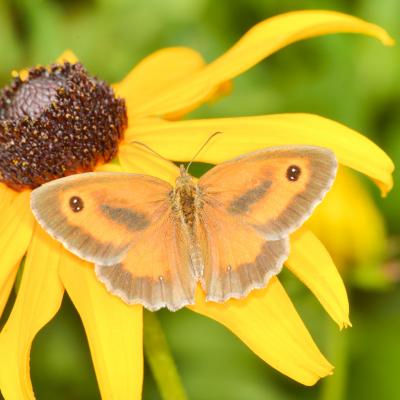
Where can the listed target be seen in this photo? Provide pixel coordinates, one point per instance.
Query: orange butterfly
(152, 242)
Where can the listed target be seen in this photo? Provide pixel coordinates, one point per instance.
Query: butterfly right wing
(127, 229)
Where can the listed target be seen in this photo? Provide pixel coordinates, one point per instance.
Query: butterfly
(152, 242)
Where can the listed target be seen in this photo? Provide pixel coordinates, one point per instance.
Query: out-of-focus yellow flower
(165, 86)
(349, 224)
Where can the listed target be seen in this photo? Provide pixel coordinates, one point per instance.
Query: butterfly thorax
(186, 199)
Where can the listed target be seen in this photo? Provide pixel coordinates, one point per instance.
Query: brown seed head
(57, 122)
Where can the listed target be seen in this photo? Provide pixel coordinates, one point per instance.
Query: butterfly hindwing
(156, 271)
(236, 258)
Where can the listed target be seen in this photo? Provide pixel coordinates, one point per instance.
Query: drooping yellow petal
(6, 287)
(16, 226)
(177, 140)
(352, 228)
(6, 197)
(267, 322)
(156, 73)
(311, 263)
(113, 329)
(38, 300)
(136, 159)
(259, 42)
(67, 56)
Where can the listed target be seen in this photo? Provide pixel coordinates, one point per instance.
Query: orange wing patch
(236, 258)
(157, 270)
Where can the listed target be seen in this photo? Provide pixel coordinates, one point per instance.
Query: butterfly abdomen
(186, 202)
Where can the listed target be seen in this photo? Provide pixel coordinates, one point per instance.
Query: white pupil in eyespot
(293, 173)
(76, 203)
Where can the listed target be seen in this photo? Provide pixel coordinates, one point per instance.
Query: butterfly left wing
(250, 206)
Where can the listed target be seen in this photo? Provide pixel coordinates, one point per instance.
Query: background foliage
(347, 78)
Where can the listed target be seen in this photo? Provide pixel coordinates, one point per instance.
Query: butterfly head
(184, 179)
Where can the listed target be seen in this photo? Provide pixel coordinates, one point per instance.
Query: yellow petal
(113, 329)
(16, 226)
(311, 263)
(351, 227)
(267, 322)
(110, 167)
(6, 286)
(259, 42)
(6, 197)
(138, 160)
(67, 56)
(179, 140)
(156, 73)
(39, 298)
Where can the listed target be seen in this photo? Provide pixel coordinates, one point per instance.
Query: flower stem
(334, 387)
(160, 360)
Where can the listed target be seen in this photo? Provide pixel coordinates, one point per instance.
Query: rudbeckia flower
(158, 92)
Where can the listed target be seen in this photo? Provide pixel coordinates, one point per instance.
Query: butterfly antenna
(149, 148)
(201, 148)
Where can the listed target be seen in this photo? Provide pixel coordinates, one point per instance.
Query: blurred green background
(348, 78)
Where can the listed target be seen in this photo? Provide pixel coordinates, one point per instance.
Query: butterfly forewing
(275, 190)
(99, 216)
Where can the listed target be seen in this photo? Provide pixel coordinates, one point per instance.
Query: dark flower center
(33, 98)
(57, 122)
